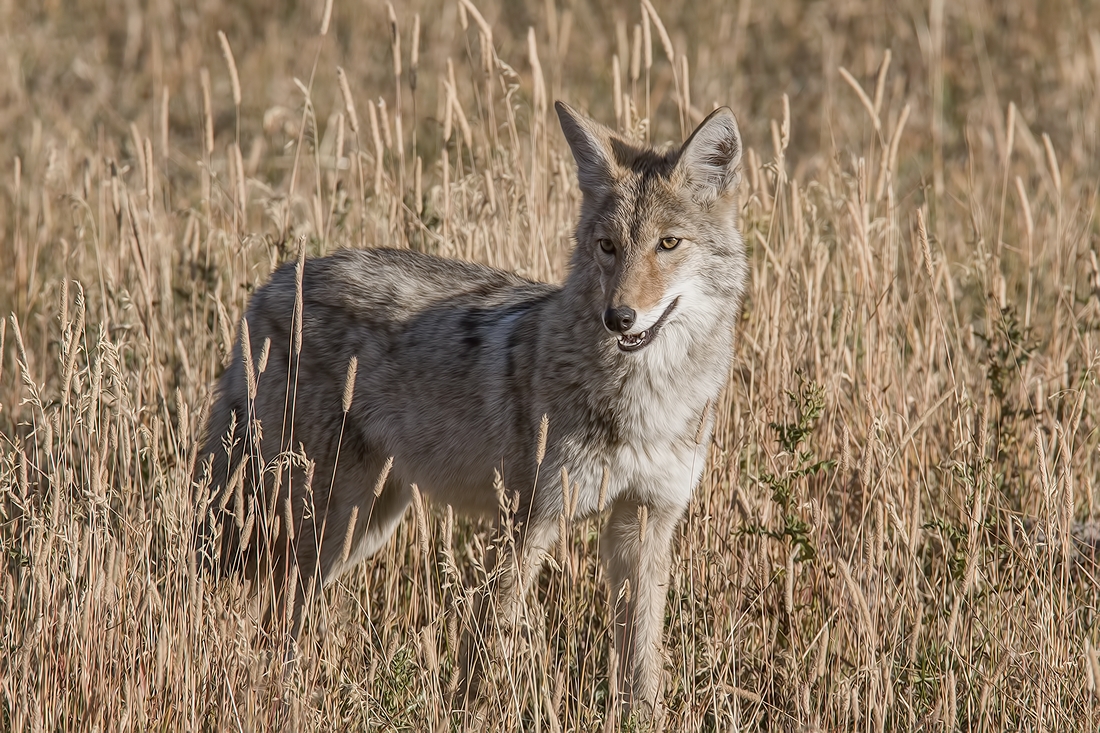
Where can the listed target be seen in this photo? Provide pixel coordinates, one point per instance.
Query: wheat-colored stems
(164, 125)
(139, 249)
(540, 448)
(460, 114)
(566, 500)
(299, 298)
(856, 593)
(414, 70)
(483, 26)
(378, 150)
(788, 584)
(380, 483)
(1068, 500)
(421, 522)
(235, 489)
(349, 101)
(604, 483)
(207, 114)
(349, 535)
(77, 333)
(936, 70)
(1092, 665)
(241, 188)
(536, 72)
(1029, 230)
(395, 45)
(895, 140)
(208, 144)
(821, 657)
(353, 120)
(617, 91)
(685, 95)
(538, 137)
(563, 542)
(20, 264)
(308, 120)
(880, 83)
(819, 312)
(265, 353)
(446, 163)
(863, 98)
(234, 79)
(488, 58)
(647, 52)
(1052, 163)
(288, 510)
(1010, 138)
(666, 44)
(349, 383)
(246, 528)
(467, 132)
(150, 188)
(346, 400)
(635, 60)
(290, 403)
(448, 107)
(246, 359)
(338, 156)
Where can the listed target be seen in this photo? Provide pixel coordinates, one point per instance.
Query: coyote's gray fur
(457, 365)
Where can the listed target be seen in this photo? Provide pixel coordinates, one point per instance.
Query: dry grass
(924, 247)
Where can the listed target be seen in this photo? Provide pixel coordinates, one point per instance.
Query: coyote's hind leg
(513, 563)
(376, 519)
(333, 517)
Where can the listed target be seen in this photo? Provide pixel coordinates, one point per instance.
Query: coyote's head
(659, 227)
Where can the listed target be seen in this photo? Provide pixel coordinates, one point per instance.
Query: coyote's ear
(711, 156)
(591, 146)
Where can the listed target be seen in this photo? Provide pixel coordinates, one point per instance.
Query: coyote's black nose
(619, 319)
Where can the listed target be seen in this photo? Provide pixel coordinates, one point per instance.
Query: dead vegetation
(887, 536)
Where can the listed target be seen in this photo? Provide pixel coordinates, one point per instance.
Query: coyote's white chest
(661, 445)
(663, 470)
(666, 416)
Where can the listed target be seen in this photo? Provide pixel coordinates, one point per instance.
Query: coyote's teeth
(638, 341)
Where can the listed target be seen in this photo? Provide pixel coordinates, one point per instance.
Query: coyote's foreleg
(637, 548)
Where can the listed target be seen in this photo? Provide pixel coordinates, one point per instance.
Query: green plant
(800, 463)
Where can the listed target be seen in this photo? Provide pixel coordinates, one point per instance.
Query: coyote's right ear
(591, 146)
(712, 154)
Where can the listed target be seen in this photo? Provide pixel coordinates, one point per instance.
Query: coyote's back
(362, 373)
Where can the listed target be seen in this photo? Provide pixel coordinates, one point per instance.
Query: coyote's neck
(671, 379)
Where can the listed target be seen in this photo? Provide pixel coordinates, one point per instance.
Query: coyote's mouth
(637, 341)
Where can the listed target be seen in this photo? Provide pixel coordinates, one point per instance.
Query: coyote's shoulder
(486, 389)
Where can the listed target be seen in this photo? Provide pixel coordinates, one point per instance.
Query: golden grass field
(920, 203)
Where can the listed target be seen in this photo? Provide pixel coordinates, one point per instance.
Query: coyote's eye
(669, 243)
(606, 245)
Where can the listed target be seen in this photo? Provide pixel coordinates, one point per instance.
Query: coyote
(470, 377)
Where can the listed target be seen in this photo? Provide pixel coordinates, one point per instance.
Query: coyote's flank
(391, 368)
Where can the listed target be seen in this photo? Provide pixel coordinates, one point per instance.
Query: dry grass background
(920, 199)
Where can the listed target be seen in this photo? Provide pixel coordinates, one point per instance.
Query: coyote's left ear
(711, 156)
